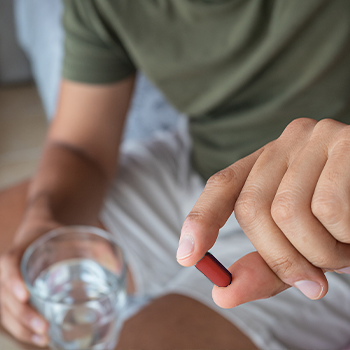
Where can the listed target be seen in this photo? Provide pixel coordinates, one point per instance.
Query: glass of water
(76, 277)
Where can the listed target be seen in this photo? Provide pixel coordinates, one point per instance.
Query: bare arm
(78, 162)
(81, 150)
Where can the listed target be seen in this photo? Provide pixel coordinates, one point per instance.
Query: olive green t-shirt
(241, 70)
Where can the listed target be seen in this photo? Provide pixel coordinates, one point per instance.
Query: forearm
(78, 162)
(68, 187)
(80, 155)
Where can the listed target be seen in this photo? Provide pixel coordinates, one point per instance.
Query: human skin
(291, 198)
(78, 162)
(273, 192)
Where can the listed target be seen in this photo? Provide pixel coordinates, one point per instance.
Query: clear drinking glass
(76, 277)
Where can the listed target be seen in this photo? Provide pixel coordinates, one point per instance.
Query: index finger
(212, 209)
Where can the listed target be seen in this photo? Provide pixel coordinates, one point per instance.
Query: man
(244, 72)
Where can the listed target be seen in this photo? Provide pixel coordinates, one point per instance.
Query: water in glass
(81, 299)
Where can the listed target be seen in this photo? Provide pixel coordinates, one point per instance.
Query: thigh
(178, 322)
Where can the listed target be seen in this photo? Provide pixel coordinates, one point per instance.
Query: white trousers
(147, 203)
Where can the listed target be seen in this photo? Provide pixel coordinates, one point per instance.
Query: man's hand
(292, 200)
(17, 315)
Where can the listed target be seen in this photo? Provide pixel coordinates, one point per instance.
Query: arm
(78, 162)
(81, 150)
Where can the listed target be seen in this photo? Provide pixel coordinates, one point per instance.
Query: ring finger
(19, 330)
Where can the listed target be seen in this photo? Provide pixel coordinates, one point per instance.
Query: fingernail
(39, 340)
(38, 325)
(186, 247)
(311, 289)
(19, 292)
(344, 270)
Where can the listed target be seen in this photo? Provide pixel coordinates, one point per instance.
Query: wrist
(37, 220)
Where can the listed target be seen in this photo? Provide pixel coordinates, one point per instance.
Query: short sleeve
(93, 52)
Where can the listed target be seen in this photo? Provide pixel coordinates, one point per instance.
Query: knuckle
(324, 125)
(247, 208)
(283, 267)
(283, 209)
(195, 215)
(344, 134)
(298, 125)
(272, 145)
(198, 217)
(325, 260)
(327, 207)
(223, 177)
(342, 144)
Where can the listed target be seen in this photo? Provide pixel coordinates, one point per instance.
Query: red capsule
(214, 270)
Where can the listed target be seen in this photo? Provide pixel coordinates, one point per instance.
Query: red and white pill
(214, 270)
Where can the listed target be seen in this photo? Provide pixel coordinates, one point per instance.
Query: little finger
(24, 313)
(19, 331)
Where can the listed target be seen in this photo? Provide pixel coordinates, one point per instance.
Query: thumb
(249, 268)
(11, 277)
(212, 209)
